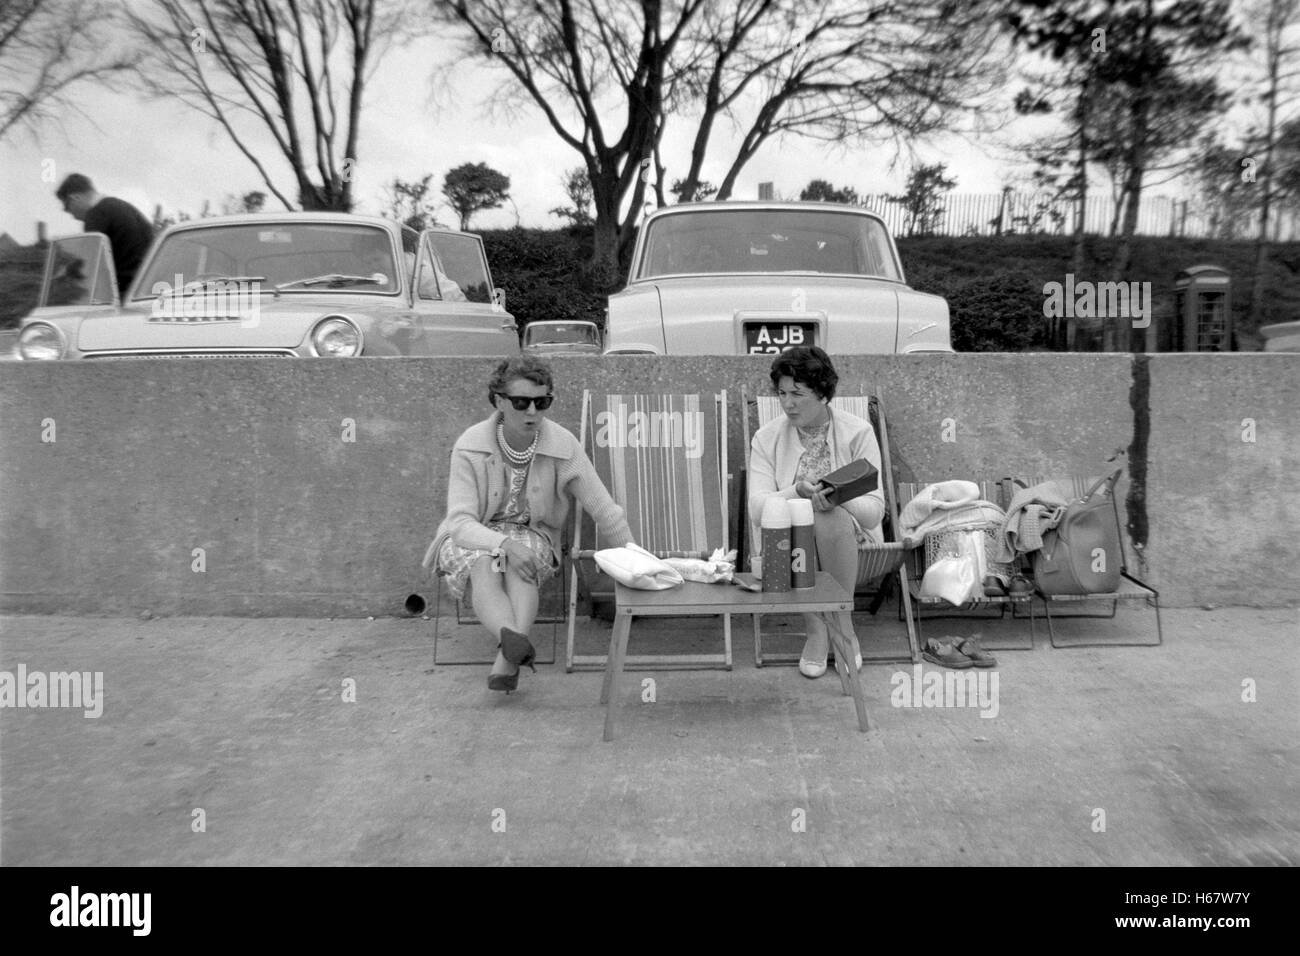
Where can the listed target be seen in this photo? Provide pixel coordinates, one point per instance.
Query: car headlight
(336, 337)
(40, 340)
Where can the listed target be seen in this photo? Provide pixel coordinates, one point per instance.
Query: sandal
(970, 647)
(945, 655)
(993, 587)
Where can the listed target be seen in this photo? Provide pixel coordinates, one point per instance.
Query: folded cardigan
(1032, 511)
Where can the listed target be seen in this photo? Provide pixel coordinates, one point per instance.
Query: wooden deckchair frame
(889, 556)
(577, 554)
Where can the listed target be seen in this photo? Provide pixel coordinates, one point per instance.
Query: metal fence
(1023, 213)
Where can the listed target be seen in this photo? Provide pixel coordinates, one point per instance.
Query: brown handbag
(1081, 555)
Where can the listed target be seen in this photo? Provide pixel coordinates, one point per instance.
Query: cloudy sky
(152, 152)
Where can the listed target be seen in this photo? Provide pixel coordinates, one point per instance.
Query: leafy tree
(923, 201)
(49, 49)
(409, 203)
(474, 186)
(1148, 77)
(700, 192)
(1278, 86)
(578, 188)
(1001, 312)
(819, 190)
(1228, 201)
(253, 201)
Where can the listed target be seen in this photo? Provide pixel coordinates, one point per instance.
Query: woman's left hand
(819, 500)
(814, 493)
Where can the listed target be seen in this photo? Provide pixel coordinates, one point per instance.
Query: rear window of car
(760, 240)
(279, 253)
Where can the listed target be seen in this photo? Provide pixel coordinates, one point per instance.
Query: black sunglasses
(521, 402)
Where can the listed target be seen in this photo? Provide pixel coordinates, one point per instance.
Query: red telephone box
(1202, 320)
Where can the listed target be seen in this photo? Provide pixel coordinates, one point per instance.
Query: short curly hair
(808, 366)
(528, 367)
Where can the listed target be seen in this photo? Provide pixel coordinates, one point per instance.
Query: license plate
(762, 338)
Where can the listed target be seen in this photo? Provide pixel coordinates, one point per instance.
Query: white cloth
(944, 504)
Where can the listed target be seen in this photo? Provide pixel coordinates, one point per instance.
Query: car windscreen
(300, 257)
(557, 333)
(764, 240)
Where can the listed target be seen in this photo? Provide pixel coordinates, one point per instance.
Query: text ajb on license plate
(771, 337)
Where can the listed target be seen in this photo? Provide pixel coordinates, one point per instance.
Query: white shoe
(812, 668)
(857, 659)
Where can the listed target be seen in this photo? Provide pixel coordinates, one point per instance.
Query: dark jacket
(129, 235)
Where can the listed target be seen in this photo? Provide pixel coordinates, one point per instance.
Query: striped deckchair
(1130, 589)
(874, 564)
(664, 459)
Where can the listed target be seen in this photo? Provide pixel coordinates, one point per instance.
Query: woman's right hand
(519, 556)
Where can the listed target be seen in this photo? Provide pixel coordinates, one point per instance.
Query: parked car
(561, 337)
(760, 277)
(1281, 336)
(291, 284)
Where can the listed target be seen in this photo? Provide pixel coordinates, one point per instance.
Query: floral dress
(511, 520)
(816, 463)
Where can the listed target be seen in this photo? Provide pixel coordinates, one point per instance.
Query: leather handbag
(1081, 555)
(854, 479)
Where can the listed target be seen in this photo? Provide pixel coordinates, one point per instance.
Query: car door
(453, 298)
(79, 272)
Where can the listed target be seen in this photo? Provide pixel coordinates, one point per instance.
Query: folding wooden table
(826, 597)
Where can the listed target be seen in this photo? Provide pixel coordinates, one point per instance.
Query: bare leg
(523, 597)
(837, 552)
(494, 607)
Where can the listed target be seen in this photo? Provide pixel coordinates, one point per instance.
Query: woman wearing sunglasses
(512, 478)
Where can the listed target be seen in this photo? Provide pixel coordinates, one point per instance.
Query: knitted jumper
(560, 471)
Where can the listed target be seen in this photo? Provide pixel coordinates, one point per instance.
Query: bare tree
(571, 59)
(846, 71)
(48, 48)
(297, 68)
(840, 70)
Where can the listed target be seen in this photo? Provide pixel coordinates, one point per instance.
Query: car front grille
(200, 354)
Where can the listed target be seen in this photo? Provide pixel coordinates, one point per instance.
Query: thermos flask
(775, 524)
(803, 544)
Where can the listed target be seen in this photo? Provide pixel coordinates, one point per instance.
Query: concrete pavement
(229, 741)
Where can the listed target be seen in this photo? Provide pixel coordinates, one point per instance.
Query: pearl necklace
(516, 458)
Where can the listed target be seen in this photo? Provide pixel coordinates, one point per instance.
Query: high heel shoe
(518, 649)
